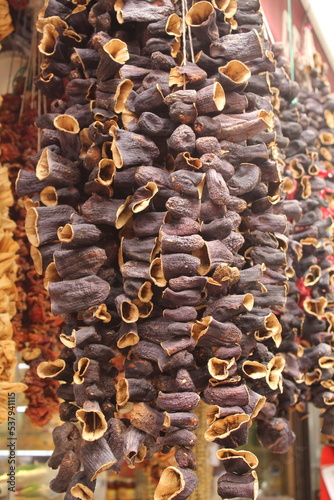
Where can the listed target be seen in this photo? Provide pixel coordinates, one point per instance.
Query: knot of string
(184, 38)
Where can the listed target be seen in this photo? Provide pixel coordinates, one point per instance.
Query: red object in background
(327, 458)
(18, 4)
(304, 291)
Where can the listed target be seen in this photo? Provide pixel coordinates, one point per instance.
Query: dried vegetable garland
(159, 216)
(308, 315)
(8, 296)
(35, 330)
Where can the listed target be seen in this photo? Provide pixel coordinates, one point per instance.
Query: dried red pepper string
(36, 329)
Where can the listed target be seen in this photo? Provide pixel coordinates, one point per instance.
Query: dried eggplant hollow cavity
(161, 201)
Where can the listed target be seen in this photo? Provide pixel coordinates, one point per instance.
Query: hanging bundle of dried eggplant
(273, 427)
(158, 215)
(308, 316)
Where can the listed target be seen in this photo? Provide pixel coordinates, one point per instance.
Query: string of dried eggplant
(308, 314)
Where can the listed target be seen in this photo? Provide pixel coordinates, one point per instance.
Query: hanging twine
(191, 44)
(184, 30)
